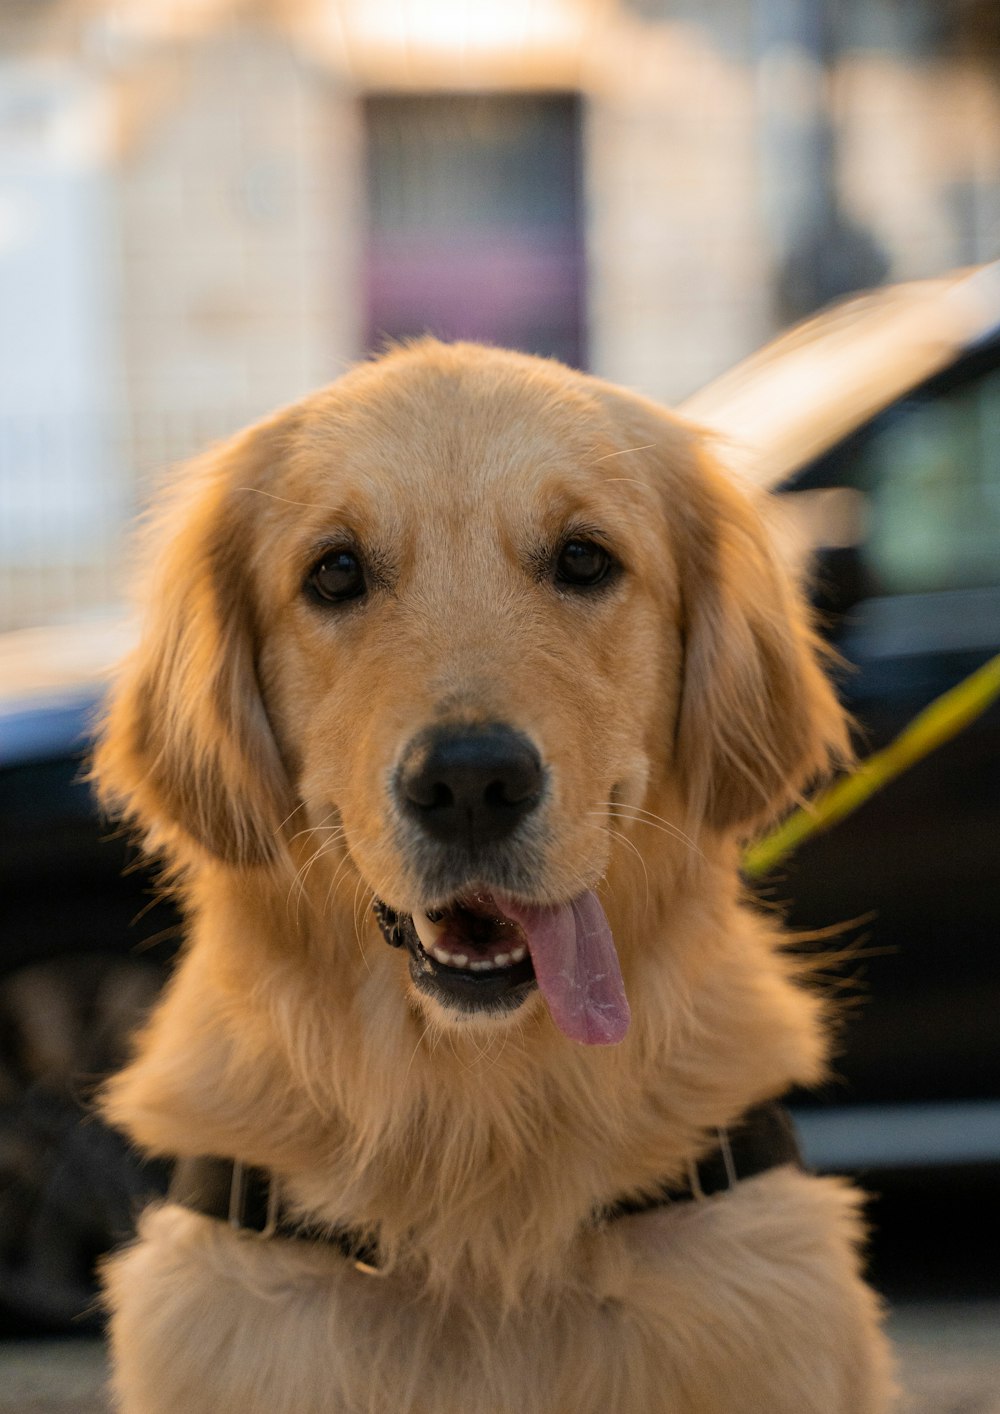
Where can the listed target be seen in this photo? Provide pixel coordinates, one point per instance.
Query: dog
(461, 683)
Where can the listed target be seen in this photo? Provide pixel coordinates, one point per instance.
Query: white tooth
(459, 960)
(427, 932)
(442, 956)
(480, 966)
(502, 959)
(519, 954)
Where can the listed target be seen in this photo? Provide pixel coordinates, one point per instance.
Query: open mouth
(486, 953)
(468, 954)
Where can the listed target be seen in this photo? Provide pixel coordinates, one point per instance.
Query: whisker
(336, 836)
(638, 810)
(298, 884)
(357, 919)
(617, 834)
(504, 1038)
(623, 452)
(294, 811)
(627, 481)
(327, 846)
(463, 1065)
(309, 505)
(312, 829)
(341, 867)
(420, 1041)
(647, 817)
(482, 1053)
(665, 828)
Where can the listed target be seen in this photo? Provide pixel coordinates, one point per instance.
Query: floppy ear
(758, 718)
(186, 750)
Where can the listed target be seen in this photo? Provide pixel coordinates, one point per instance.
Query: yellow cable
(944, 718)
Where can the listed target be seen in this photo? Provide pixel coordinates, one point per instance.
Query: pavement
(949, 1356)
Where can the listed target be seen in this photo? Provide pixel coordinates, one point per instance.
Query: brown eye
(582, 564)
(337, 578)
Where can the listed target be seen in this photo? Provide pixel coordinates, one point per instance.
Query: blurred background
(208, 208)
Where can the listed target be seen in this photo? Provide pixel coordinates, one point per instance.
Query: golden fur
(252, 738)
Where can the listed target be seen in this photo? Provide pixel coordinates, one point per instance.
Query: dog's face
(457, 617)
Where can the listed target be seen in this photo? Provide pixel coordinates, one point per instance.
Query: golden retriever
(481, 657)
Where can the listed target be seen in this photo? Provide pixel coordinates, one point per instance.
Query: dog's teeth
(433, 938)
(427, 932)
(451, 959)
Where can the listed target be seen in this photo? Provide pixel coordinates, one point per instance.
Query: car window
(931, 474)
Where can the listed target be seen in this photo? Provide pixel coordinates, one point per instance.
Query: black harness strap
(764, 1138)
(248, 1198)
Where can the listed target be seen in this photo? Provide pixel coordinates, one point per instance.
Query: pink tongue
(577, 967)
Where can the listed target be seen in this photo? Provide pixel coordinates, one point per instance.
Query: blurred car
(881, 421)
(881, 417)
(84, 946)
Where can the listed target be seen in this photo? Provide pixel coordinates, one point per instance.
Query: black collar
(249, 1199)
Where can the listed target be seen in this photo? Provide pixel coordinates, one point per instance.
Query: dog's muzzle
(468, 797)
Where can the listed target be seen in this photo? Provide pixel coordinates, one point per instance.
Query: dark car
(882, 418)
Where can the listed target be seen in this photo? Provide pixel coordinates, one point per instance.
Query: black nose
(470, 785)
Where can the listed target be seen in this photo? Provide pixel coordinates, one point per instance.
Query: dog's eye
(582, 564)
(337, 578)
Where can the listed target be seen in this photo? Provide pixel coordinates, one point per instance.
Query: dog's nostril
(517, 788)
(442, 795)
(422, 790)
(471, 784)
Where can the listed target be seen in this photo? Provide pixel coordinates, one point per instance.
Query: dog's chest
(665, 1313)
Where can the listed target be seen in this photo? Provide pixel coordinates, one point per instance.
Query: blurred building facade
(208, 207)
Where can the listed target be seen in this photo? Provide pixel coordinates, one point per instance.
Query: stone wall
(239, 218)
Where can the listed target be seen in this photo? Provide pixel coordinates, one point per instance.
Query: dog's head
(464, 618)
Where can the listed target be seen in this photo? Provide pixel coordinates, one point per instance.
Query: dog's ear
(186, 750)
(758, 718)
